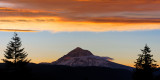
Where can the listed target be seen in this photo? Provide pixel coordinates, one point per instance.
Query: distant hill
(80, 57)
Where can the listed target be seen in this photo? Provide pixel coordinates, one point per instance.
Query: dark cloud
(17, 30)
(24, 20)
(112, 20)
(10, 12)
(45, 20)
(124, 20)
(6, 21)
(20, 20)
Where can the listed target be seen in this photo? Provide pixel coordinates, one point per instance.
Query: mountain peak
(78, 48)
(78, 52)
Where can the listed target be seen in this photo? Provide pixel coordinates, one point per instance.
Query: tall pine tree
(145, 65)
(14, 54)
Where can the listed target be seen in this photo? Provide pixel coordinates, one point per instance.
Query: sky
(50, 29)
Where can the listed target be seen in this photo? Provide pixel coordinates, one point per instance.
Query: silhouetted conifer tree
(15, 57)
(145, 65)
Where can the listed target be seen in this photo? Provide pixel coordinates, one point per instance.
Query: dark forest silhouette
(18, 67)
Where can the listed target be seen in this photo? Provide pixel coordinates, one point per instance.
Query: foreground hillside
(50, 72)
(53, 72)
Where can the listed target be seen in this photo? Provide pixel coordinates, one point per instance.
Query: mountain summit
(81, 57)
(79, 52)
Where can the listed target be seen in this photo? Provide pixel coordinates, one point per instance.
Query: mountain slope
(81, 57)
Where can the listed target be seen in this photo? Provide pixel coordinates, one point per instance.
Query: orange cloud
(125, 17)
(87, 5)
(81, 15)
(79, 26)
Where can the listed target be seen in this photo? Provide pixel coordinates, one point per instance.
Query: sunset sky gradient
(51, 28)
